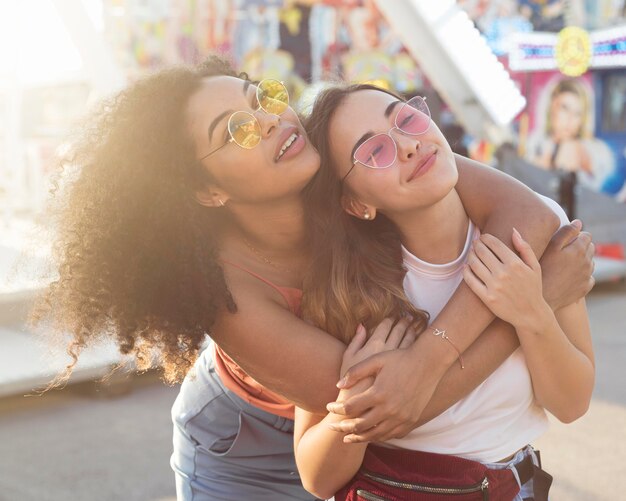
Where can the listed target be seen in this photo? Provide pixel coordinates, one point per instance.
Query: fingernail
(517, 233)
(342, 382)
(347, 440)
(360, 329)
(577, 223)
(333, 407)
(337, 409)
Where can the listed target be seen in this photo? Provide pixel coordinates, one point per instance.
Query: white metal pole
(104, 73)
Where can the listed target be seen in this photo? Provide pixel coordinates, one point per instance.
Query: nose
(407, 145)
(268, 122)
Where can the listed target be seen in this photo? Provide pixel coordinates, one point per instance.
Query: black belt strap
(525, 470)
(542, 481)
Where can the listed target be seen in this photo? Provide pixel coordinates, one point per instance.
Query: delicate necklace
(265, 259)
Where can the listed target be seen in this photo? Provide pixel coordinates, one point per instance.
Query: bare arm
(311, 361)
(560, 359)
(496, 203)
(566, 267)
(263, 332)
(324, 460)
(557, 346)
(465, 316)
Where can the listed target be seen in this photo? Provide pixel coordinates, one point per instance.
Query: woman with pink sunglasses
(181, 216)
(388, 183)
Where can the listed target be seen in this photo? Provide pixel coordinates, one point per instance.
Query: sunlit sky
(35, 46)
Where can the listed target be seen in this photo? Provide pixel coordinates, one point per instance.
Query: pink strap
(262, 279)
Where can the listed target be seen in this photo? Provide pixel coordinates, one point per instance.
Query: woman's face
(262, 173)
(423, 173)
(566, 116)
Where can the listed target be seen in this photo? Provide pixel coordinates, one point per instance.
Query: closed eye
(406, 120)
(376, 151)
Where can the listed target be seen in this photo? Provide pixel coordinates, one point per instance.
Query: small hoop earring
(366, 215)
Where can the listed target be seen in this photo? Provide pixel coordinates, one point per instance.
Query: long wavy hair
(136, 255)
(357, 273)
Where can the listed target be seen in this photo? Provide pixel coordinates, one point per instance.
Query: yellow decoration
(379, 82)
(291, 17)
(573, 51)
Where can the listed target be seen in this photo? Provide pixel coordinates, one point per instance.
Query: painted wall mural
(575, 119)
(299, 41)
(562, 130)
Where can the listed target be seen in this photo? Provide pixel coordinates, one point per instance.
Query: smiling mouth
(416, 172)
(286, 145)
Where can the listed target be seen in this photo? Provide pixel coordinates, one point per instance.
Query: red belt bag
(397, 474)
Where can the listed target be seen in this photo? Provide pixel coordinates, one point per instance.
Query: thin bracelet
(442, 333)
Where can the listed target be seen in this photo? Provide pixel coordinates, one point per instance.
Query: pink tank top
(235, 378)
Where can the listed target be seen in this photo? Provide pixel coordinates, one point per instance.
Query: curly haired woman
(181, 216)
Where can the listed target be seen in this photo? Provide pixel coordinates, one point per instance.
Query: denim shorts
(526, 490)
(226, 449)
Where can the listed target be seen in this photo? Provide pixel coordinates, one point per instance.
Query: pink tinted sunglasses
(380, 151)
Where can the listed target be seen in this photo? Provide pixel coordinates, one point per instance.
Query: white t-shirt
(501, 415)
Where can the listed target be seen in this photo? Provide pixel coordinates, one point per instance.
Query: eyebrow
(361, 140)
(220, 117)
(390, 108)
(217, 120)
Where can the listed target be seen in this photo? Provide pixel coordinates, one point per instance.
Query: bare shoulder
(263, 331)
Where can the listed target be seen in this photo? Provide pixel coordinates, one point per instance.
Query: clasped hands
(386, 384)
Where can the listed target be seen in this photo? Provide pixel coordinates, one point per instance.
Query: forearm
(497, 203)
(482, 358)
(464, 318)
(562, 374)
(310, 358)
(324, 461)
(496, 210)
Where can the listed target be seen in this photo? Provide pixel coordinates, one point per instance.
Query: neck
(275, 228)
(437, 233)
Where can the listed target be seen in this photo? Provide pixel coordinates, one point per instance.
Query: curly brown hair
(136, 255)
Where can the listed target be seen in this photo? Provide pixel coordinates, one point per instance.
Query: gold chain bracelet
(442, 333)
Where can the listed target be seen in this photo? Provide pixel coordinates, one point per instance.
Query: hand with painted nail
(508, 284)
(557, 345)
(387, 336)
(567, 266)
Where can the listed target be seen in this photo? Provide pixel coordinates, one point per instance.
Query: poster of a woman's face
(568, 111)
(562, 135)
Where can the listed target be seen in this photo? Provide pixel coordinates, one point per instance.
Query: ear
(211, 196)
(357, 208)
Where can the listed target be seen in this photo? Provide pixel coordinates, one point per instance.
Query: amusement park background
(536, 88)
